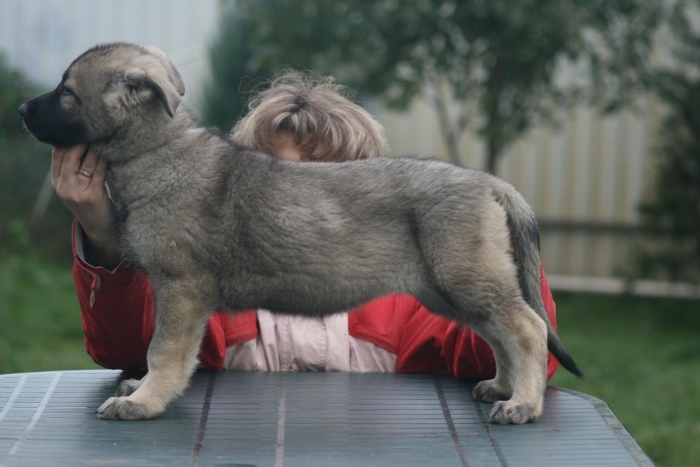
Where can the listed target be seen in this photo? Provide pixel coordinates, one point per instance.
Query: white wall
(42, 37)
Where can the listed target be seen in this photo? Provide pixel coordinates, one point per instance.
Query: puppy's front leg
(172, 356)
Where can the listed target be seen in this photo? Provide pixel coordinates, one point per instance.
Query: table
(300, 419)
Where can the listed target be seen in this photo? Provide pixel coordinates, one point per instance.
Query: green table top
(300, 419)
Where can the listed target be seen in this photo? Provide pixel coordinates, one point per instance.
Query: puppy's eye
(66, 92)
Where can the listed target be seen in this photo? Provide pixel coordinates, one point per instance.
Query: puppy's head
(105, 91)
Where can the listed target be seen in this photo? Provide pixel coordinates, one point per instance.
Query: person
(296, 119)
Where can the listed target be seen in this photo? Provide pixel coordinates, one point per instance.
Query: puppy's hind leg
(480, 279)
(172, 357)
(500, 388)
(519, 340)
(129, 386)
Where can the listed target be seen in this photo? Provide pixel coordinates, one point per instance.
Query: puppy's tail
(525, 236)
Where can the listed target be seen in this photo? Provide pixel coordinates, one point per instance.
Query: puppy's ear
(132, 87)
(173, 75)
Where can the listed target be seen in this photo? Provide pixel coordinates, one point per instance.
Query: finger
(100, 169)
(57, 155)
(90, 162)
(74, 164)
(71, 160)
(97, 185)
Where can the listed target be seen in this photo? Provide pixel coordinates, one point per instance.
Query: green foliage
(641, 356)
(24, 165)
(501, 55)
(14, 88)
(233, 73)
(673, 215)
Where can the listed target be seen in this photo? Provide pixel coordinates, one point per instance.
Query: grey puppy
(220, 226)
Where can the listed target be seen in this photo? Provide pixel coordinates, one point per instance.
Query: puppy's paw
(128, 387)
(509, 412)
(122, 408)
(490, 391)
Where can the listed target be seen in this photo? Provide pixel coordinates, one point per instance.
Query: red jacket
(118, 310)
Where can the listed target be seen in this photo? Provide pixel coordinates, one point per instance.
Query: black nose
(23, 109)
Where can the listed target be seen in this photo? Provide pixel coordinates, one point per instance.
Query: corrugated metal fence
(584, 177)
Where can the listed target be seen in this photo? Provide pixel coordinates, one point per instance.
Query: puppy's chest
(144, 225)
(158, 223)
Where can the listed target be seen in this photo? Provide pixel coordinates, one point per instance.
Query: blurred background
(591, 108)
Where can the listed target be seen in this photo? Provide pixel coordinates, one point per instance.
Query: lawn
(640, 356)
(40, 326)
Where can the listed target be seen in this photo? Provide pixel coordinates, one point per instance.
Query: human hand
(80, 184)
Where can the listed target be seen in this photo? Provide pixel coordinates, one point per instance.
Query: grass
(40, 326)
(640, 356)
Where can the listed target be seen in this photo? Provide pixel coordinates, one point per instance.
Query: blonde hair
(325, 124)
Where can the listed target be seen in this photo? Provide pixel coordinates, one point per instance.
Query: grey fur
(220, 226)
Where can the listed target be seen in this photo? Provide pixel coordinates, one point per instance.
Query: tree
(498, 56)
(672, 216)
(233, 71)
(24, 163)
